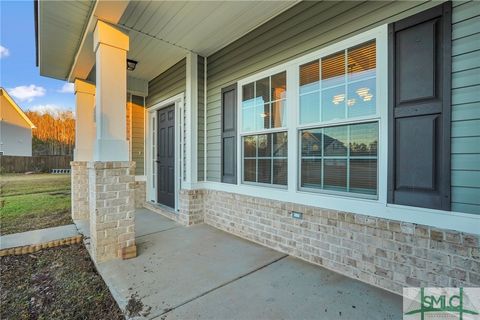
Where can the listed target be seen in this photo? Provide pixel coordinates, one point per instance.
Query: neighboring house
(15, 128)
(343, 133)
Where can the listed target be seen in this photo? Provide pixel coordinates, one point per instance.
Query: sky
(18, 73)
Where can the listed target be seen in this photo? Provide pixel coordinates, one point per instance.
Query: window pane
(335, 141)
(364, 139)
(361, 98)
(249, 170)
(363, 176)
(260, 164)
(335, 172)
(264, 170)
(264, 144)
(248, 115)
(280, 172)
(311, 173)
(362, 61)
(262, 116)
(312, 142)
(262, 91)
(250, 146)
(279, 86)
(279, 119)
(333, 70)
(247, 92)
(310, 108)
(333, 103)
(280, 144)
(309, 77)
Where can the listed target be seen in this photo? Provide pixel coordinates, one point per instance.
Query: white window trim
(463, 222)
(241, 134)
(178, 100)
(293, 126)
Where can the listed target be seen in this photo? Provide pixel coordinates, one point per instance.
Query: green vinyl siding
(138, 134)
(309, 26)
(306, 27)
(168, 84)
(466, 107)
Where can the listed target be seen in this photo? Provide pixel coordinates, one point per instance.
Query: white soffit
(162, 32)
(60, 30)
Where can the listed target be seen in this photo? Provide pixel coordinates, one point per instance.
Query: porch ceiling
(60, 29)
(161, 32)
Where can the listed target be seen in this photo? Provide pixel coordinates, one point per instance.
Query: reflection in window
(340, 158)
(265, 158)
(339, 86)
(264, 103)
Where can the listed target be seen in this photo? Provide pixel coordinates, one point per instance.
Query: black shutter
(229, 134)
(419, 109)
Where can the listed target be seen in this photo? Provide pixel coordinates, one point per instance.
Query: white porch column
(85, 121)
(84, 138)
(191, 120)
(110, 46)
(111, 176)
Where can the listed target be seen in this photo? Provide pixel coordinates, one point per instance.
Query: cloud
(52, 109)
(66, 88)
(4, 52)
(27, 93)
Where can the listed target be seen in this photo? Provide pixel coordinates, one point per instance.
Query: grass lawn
(36, 201)
(57, 283)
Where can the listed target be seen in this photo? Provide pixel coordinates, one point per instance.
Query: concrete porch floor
(201, 272)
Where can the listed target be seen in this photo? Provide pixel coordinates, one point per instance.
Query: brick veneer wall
(385, 253)
(191, 208)
(112, 208)
(140, 193)
(79, 181)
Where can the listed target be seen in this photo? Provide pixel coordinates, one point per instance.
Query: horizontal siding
(465, 158)
(168, 84)
(306, 27)
(138, 134)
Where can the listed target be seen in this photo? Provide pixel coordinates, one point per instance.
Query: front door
(166, 156)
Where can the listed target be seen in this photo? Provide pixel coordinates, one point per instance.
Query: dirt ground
(34, 201)
(58, 283)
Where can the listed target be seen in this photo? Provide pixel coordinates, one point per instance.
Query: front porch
(199, 271)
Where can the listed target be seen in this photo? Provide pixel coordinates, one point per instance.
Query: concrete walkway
(37, 236)
(200, 272)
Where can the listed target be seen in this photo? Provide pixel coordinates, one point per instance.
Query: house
(15, 128)
(342, 133)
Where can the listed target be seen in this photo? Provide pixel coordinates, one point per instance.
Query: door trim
(178, 101)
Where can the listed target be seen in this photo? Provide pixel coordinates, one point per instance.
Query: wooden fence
(15, 164)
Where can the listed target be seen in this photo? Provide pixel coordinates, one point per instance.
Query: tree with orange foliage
(55, 133)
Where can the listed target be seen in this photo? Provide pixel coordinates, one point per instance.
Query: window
(340, 158)
(334, 89)
(339, 86)
(335, 121)
(263, 111)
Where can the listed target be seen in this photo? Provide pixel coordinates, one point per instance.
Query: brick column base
(112, 207)
(191, 207)
(79, 178)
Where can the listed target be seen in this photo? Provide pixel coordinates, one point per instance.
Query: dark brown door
(166, 156)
